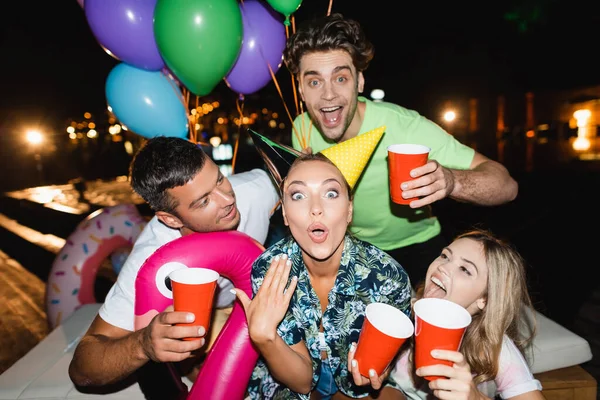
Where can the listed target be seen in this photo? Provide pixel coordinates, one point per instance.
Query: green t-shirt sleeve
(446, 149)
(295, 142)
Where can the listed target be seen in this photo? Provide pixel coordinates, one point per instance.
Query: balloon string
(305, 133)
(299, 137)
(303, 130)
(275, 207)
(294, 90)
(297, 103)
(175, 86)
(182, 95)
(196, 121)
(237, 141)
(186, 94)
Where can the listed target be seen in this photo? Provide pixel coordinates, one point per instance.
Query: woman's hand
(375, 380)
(459, 385)
(266, 310)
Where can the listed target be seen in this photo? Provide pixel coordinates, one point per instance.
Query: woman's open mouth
(318, 232)
(435, 288)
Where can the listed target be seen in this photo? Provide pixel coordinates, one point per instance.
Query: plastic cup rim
(464, 317)
(408, 148)
(398, 327)
(194, 276)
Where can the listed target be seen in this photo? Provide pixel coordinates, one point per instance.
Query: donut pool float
(71, 279)
(228, 365)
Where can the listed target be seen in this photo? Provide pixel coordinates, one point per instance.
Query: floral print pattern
(366, 275)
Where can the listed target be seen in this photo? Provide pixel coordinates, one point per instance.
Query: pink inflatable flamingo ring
(228, 365)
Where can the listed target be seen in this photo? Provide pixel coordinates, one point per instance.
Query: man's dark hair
(164, 163)
(329, 33)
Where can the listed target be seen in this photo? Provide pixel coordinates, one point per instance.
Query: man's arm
(486, 183)
(108, 354)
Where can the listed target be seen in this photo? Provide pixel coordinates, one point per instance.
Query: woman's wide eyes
(297, 196)
(331, 194)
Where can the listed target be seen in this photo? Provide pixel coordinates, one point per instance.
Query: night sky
(54, 69)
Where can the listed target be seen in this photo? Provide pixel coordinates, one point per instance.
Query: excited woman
(304, 327)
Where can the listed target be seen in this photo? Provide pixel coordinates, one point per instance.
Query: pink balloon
(80, 3)
(228, 366)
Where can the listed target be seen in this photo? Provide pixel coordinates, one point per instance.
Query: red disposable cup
(384, 331)
(194, 291)
(439, 324)
(403, 158)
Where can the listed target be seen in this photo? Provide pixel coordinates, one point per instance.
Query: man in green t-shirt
(328, 57)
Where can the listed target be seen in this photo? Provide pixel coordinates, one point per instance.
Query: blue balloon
(148, 102)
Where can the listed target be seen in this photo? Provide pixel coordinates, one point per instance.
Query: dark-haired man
(188, 193)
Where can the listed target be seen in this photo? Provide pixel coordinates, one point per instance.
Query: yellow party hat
(351, 156)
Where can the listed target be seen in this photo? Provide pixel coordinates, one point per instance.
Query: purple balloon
(262, 45)
(125, 29)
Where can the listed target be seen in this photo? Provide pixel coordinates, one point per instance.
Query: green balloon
(286, 7)
(199, 40)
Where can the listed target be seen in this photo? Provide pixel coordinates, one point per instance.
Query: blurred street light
(449, 116)
(582, 143)
(34, 137)
(215, 141)
(377, 94)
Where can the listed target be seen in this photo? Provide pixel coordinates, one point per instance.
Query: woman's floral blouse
(366, 275)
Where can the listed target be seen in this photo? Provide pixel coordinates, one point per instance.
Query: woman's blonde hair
(315, 157)
(507, 299)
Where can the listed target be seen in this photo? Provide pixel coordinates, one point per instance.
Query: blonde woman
(311, 290)
(487, 277)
